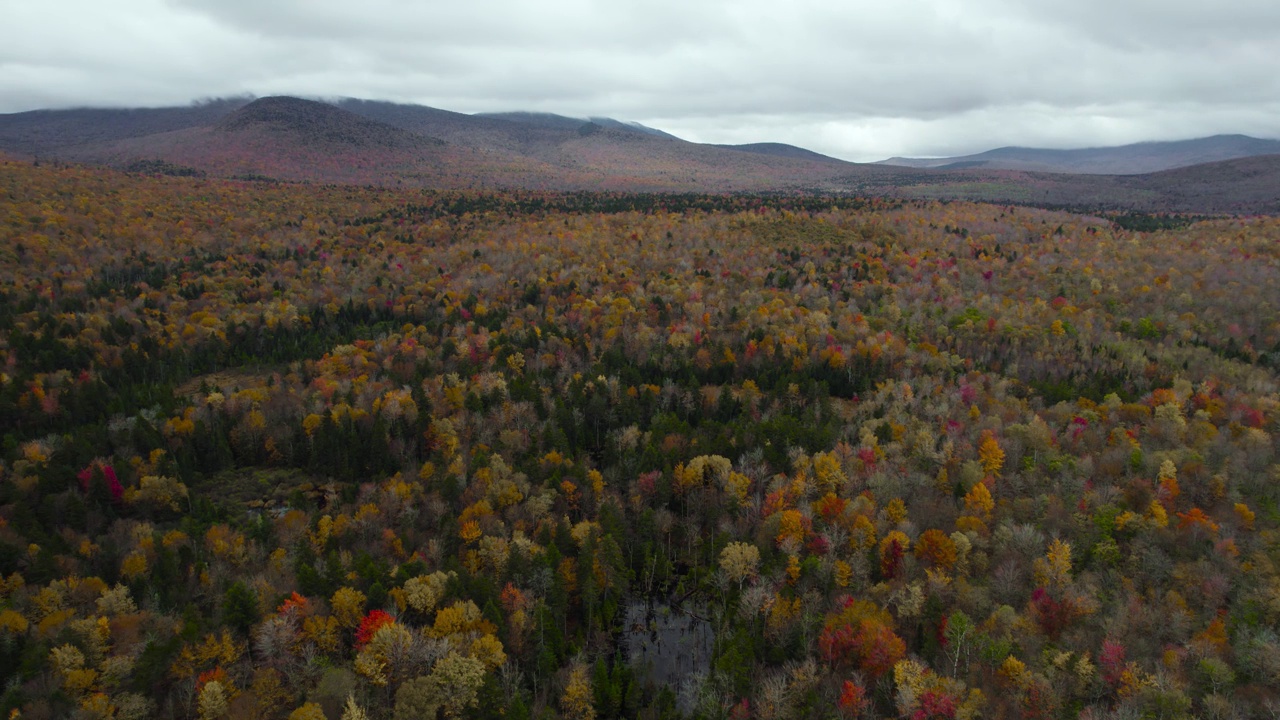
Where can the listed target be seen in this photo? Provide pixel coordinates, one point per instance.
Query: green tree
(240, 607)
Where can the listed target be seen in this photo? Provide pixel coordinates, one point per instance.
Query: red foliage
(370, 625)
(935, 706)
(1039, 702)
(512, 598)
(1051, 614)
(775, 501)
(818, 545)
(1196, 518)
(891, 560)
(293, 603)
(831, 506)
(868, 458)
(209, 676)
(107, 475)
(872, 645)
(879, 648)
(648, 483)
(853, 698)
(1111, 662)
(835, 643)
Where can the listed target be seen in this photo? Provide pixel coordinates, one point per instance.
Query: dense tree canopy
(295, 451)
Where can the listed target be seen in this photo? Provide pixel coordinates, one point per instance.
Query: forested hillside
(278, 450)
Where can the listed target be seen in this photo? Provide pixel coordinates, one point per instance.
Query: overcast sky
(855, 79)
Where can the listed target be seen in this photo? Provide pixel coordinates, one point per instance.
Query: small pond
(667, 645)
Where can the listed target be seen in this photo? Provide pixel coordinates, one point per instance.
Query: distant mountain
(371, 142)
(1133, 159)
(318, 123)
(561, 122)
(281, 138)
(45, 132)
(781, 150)
(362, 141)
(1241, 185)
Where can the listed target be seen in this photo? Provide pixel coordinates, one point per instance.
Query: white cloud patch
(859, 80)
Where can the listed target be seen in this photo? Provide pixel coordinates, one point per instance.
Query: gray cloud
(859, 80)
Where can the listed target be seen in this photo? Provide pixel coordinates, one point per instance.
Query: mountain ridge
(1130, 159)
(371, 142)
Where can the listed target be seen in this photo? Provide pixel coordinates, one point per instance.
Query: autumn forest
(279, 450)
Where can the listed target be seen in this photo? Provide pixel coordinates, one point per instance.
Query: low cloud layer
(857, 80)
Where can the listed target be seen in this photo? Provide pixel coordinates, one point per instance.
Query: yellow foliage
(66, 658)
(160, 491)
(842, 573)
(270, 692)
(309, 711)
(913, 680)
(347, 605)
(226, 544)
(978, 501)
(423, 592)
(791, 526)
(462, 616)
(990, 454)
(1246, 515)
(134, 565)
(311, 422)
(54, 621)
(736, 486)
(1054, 569)
(212, 702)
(782, 612)
(895, 511)
(1133, 680)
(863, 534)
(12, 621)
(469, 531)
(904, 542)
(488, 650)
(427, 471)
(829, 471)
(1014, 672)
(378, 659)
(215, 650)
(739, 560)
(323, 631)
(568, 572)
(80, 680)
(577, 700)
(505, 492)
(1156, 513)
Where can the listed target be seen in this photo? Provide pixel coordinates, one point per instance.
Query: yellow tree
(576, 702)
(990, 454)
(739, 560)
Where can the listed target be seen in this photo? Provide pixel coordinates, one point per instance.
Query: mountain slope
(781, 150)
(386, 143)
(320, 123)
(45, 132)
(1250, 185)
(379, 143)
(1120, 160)
(561, 122)
(292, 139)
